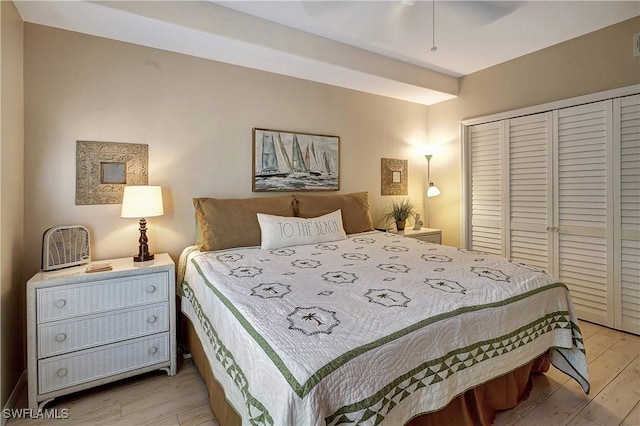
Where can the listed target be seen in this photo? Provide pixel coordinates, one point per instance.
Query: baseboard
(15, 395)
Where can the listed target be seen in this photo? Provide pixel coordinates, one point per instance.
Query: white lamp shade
(433, 190)
(142, 201)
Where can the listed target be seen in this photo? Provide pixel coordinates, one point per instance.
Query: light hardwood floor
(155, 399)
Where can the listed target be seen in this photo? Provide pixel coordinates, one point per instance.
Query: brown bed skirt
(477, 406)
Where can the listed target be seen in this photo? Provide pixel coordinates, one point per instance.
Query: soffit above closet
(379, 47)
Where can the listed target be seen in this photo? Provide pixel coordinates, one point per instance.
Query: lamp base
(143, 248)
(143, 258)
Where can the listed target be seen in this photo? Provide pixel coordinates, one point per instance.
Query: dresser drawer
(80, 367)
(99, 296)
(433, 238)
(55, 338)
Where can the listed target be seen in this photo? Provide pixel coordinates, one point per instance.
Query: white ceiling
(470, 35)
(381, 47)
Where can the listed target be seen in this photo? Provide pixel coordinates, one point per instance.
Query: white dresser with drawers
(87, 329)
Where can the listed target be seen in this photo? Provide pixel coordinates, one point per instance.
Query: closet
(559, 189)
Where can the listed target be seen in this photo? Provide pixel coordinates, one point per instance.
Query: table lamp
(141, 202)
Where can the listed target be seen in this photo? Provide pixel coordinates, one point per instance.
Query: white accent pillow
(280, 231)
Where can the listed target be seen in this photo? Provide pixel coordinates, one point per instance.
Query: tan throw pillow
(234, 223)
(355, 209)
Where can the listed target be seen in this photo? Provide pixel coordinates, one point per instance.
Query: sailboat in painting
(289, 161)
(299, 168)
(328, 164)
(269, 158)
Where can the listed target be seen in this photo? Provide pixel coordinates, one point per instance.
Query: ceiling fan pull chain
(433, 26)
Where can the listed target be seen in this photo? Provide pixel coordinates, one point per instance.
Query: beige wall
(11, 199)
(592, 63)
(196, 116)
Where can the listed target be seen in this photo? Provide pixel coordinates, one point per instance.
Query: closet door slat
(486, 198)
(583, 214)
(529, 189)
(628, 213)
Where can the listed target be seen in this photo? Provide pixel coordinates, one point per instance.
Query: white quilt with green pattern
(370, 330)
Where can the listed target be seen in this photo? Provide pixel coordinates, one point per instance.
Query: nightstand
(88, 329)
(428, 235)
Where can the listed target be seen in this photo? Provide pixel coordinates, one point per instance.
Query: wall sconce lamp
(141, 202)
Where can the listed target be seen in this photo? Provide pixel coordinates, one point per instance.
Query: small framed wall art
(104, 168)
(394, 175)
(287, 161)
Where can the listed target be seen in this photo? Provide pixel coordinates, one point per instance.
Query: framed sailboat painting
(287, 161)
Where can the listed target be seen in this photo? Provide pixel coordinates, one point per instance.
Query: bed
(363, 327)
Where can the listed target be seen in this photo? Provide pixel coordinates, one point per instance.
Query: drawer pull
(60, 303)
(61, 337)
(151, 289)
(153, 350)
(62, 372)
(152, 319)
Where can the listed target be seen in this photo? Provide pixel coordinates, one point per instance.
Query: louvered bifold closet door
(627, 212)
(530, 201)
(583, 198)
(486, 141)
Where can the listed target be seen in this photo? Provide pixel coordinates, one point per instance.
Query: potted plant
(400, 211)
